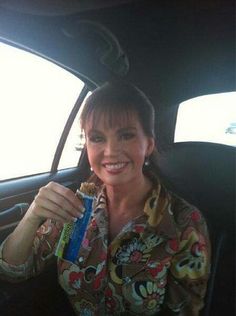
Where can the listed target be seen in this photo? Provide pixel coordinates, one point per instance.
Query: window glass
(36, 99)
(210, 118)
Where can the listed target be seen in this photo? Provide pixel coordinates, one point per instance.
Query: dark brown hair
(117, 100)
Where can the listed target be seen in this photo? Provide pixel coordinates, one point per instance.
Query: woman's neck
(128, 199)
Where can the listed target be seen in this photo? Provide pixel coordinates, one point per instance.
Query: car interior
(173, 51)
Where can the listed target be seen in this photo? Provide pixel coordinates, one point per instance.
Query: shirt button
(126, 279)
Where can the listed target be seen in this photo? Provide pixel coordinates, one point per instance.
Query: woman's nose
(112, 147)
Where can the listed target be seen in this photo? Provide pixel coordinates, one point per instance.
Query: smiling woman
(36, 99)
(145, 250)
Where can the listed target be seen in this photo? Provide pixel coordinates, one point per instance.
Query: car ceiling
(59, 7)
(176, 49)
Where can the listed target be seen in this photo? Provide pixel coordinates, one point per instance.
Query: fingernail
(82, 210)
(81, 216)
(74, 219)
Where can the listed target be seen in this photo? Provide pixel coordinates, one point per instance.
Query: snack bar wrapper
(73, 233)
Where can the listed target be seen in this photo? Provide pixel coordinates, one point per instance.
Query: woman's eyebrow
(94, 131)
(127, 129)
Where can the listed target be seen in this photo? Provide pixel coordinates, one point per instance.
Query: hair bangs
(110, 115)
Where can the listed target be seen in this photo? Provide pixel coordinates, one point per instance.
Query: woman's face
(116, 154)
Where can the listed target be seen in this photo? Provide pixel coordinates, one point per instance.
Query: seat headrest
(204, 174)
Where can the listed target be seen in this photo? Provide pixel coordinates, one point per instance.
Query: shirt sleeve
(190, 266)
(15, 273)
(43, 250)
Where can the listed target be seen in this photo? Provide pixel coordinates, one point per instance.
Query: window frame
(87, 87)
(67, 128)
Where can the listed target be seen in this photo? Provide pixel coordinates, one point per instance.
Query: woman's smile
(115, 168)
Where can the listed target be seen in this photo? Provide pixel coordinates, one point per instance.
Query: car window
(36, 99)
(210, 118)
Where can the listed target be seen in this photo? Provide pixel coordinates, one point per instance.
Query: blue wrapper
(73, 233)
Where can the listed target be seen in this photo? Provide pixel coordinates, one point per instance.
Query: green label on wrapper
(64, 240)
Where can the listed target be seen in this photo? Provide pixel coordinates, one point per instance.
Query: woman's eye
(127, 136)
(96, 139)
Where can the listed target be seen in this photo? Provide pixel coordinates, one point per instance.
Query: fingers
(49, 209)
(57, 202)
(66, 193)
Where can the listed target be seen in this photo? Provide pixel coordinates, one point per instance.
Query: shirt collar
(158, 208)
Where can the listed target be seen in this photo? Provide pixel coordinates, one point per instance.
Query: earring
(146, 162)
(91, 169)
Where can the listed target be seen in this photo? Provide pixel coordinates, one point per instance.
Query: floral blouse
(157, 265)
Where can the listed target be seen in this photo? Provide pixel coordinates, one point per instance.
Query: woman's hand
(55, 201)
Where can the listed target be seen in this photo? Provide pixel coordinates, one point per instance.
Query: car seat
(205, 174)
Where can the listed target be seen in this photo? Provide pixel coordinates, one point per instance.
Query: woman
(146, 251)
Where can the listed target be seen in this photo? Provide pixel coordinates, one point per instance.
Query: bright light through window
(35, 101)
(209, 118)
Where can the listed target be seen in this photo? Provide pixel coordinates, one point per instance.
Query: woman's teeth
(114, 166)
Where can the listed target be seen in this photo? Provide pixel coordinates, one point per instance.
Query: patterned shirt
(158, 264)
